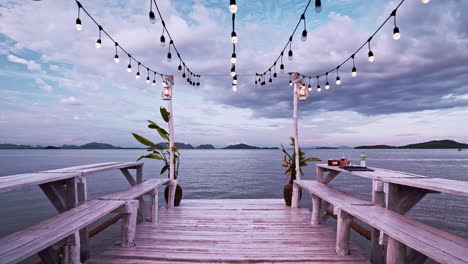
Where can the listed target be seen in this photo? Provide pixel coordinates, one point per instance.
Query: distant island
(434, 144)
(326, 148)
(245, 146)
(205, 146)
(92, 145)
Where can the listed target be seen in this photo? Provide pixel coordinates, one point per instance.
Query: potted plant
(161, 152)
(289, 162)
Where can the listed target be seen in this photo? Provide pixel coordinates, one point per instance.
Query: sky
(57, 88)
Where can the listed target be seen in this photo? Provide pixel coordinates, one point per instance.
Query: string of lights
(192, 78)
(370, 53)
(233, 9)
(279, 59)
(140, 65)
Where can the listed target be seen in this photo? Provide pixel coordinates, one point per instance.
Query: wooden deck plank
(231, 231)
(330, 194)
(137, 190)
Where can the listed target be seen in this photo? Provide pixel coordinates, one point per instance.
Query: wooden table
(66, 188)
(394, 190)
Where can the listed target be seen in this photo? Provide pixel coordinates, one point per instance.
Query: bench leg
(141, 210)
(49, 256)
(396, 252)
(129, 224)
(72, 249)
(316, 210)
(154, 206)
(343, 232)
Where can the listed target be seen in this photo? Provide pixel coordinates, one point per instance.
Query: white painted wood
(295, 196)
(377, 174)
(316, 209)
(8, 183)
(434, 184)
(72, 249)
(154, 206)
(343, 232)
(172, 190)
(377, 251)
(129, 224)
(319, 174)
(173, 183)
(396, 252)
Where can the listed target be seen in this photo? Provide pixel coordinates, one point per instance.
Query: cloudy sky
(57, 88)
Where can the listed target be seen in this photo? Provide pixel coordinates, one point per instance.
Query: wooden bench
(64, 228)
(137, 191)
(402, 231)
(320, 191)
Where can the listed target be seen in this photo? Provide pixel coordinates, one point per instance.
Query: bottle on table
(363, 160)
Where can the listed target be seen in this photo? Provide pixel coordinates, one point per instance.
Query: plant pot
(287, 193)
(178, 194)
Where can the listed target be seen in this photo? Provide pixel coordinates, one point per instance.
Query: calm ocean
(211, 174)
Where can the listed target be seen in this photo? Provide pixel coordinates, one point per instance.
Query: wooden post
(295, 196)
(72, 249)
(139, 174)
(82, 195)
(378, 197)
(343, 232)
(154, 206)
(396, 252)
(129, 224)
(173, 183)
(319, 174)
(316, 204)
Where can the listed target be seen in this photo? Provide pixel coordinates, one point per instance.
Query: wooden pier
(233, 230)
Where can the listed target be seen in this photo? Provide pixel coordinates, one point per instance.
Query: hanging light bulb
(234, 37)
(233, 71)
(370, 54)
(179, 68)
(169, 56)
(282, 68)
(233, 6)
(304, 32)
(116, 57)
(154, 79)
(425, 1)
(234, 88)
(233, 58)
(163, 40)
(78, 25)
(129, 67)
(147, 76)
(309, 86)
(234, 80)
(318, 84)
(396, 30)
(98, 42)
(152, 17)
(327, 84)
(354, 70)
(137, 76)
(338, 80)
(290, 81)
(290, 52)
(318, 6)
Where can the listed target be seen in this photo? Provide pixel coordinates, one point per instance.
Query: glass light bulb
(147, 80)
(290, 55)
(154, 83)
(304, 35)
(179, 68)
(129, 68)
(233, 60)
(318, 9)
(425, 1)
(282, 68)
(290, 83)
(98, 43)
(319, 89)
(234, 88)
(234, 39)
(327, 86)
(338, 81)
(116, 58)
(78, 25)
(233, 73)
(233, 8)
(152, 17)
(163, 41)
(169, 57)
(234, 81)
(137, 76)
(396, 33)
(354, 72)
(371, 56)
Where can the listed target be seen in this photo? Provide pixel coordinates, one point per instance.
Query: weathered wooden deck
(232, 231)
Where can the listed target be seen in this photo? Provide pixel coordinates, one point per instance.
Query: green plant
(289, 161)
(157, 151)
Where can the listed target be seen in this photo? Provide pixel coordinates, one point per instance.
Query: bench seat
(150, 187)
(22, 244)
(439, 245)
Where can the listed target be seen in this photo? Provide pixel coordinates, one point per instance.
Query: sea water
(223, 174)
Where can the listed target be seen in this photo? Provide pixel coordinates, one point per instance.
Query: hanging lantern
(303, 93)
(167, 88)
